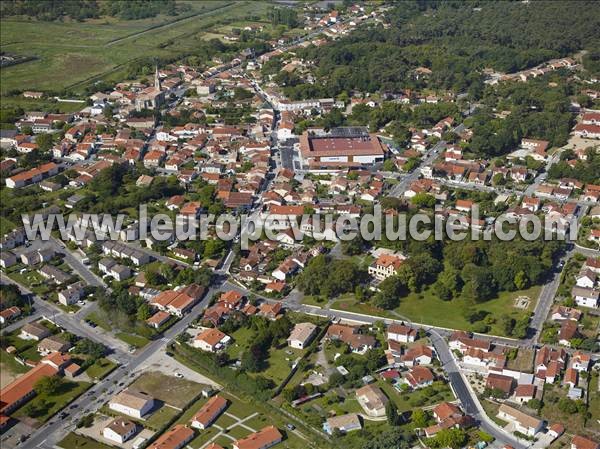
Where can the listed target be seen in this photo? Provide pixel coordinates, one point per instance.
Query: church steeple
(156, 79)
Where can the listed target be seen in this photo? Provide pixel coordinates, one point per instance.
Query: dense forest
(453, 39)
(90, 9)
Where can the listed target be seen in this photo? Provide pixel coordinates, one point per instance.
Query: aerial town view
(299, 224)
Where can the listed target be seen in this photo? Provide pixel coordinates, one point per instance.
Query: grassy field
(523, 361)
(100, 369)
(428, 309)
(74, 441)
(573, 422)
(50, 404)
(169, 389)
(280, 359)
(136, 341)
(593, 422)
(71, 53)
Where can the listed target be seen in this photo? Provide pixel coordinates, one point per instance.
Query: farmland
(70, 55)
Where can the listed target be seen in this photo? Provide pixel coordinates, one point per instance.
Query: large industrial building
(340, 148)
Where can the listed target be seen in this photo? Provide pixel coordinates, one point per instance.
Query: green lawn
(314, 300)
(203, 438)
(225, 421)
(280, 359)
(100, 369)
(49, 404)
(428, 309)
(423, 397)
(74, 441)
(136, 341)
(161, 417)
(95, 318)
(594, 404)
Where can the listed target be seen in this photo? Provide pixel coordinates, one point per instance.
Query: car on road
(179, 375)
(290, 426)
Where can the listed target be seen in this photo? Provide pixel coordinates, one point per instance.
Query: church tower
(156, 80)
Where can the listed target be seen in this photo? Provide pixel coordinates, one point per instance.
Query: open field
(74, 441)
(426, 308)
(279, 363)
(171, 390)
(72, 53)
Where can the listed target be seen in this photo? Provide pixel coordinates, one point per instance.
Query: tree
(394, 438)
(44, 141)
(390, 291)
(419, 418)
(90, 348)
(391, 411)
(453, 438)
(48, 385)
(423, 199)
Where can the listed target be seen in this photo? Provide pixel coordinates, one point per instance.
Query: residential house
(500, 382)
(385, 266)
(401, 333)
(419, 377)
(586, 297)
(34, 331)
(350, 335)
(301, 335)
(343, 423)
(522, 422)
(579, 442)
(372, 400)
(211, 340)
(120, 430)
(175, 438)
(9, 314)
(209, 412)
(263, 439)
(52, 344)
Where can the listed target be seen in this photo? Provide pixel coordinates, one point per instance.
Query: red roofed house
(524, 393)
(419, 377)
(211, 340)
(263, 439)
(579, 442)
(231, 299)
(499, 382)
(385, 266)
(401, 333)
(176, 438)
(209, 412)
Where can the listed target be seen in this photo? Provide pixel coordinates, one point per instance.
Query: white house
(119, 430)
(132, 403)
(401, 333)
(301, 335)
(211, 340)
(522, 422)
(586, 297)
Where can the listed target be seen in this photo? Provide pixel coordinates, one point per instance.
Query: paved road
(399, 189)
(467, 397)
(83, 271)
(49, 434)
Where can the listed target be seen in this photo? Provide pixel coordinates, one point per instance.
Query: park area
(426, 308)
